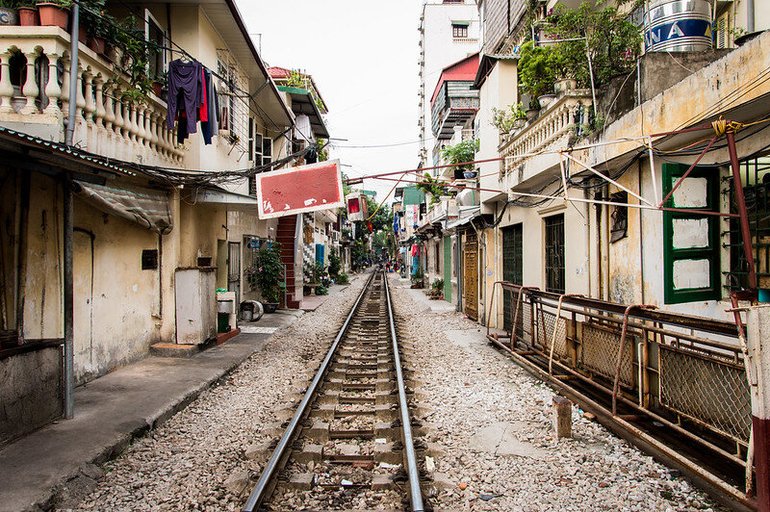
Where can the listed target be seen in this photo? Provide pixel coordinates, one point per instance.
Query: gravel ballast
(208, 456)
(490, 427)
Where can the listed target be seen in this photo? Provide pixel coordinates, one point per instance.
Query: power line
(179, 49)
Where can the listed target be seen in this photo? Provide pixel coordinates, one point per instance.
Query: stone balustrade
(34, 94)
(555, 121)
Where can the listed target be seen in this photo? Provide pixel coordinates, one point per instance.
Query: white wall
(441, 50)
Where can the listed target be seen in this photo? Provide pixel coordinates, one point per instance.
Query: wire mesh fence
(685, 371)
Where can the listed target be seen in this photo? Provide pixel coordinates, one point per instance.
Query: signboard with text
(307, 188)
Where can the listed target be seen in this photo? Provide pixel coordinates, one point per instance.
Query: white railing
(555, 121)
(106, 123)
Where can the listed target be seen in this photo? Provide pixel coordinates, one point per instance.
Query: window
(755, 176)
(150, 259)
(459, 30)
(267, 150)
(155, 34)
(691, 241)
(554, 254)
(250, 148)
(436, 266)
(619, 216)
(513, 263)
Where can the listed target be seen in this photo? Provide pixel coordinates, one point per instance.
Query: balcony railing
(445, 209)
(106, 123)
(455, 103)
(555, 121)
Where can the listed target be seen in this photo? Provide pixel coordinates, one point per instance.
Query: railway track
(349, 445)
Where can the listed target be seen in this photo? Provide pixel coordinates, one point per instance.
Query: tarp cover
(147, 207)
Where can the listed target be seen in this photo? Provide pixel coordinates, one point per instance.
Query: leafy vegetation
(267, 271)
(504, 119)
(461, 152)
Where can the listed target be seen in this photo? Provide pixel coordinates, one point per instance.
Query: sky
(362, 55)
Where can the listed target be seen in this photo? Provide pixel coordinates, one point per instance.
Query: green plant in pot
(537, 70)
(507, 119)
(55, 13)
(27, 10)
(267, 274)
(98, 24)
(461, 153)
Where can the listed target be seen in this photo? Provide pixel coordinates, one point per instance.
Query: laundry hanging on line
(192, 98)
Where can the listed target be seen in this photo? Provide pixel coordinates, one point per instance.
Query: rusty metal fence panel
(707, 389)
(599, 352)
(674, 367)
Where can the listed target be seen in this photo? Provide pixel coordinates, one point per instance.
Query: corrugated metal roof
(68, 152)
(413, 196)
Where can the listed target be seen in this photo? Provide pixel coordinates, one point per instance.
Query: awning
(221, 197)
(466, 216)
(148, 208)
(302, 102)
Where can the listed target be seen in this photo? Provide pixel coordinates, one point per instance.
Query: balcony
(551, 130)
(34, 102)
(454, 104)
(446, 209)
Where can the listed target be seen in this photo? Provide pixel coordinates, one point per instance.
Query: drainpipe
(22, 241)
(750, 16)
(74, 48)
(69, 374)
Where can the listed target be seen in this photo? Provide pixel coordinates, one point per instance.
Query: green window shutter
(691, 252)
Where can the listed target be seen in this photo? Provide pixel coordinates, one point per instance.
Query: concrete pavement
(39, 469)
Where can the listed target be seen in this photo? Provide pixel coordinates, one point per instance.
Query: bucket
(677, 26)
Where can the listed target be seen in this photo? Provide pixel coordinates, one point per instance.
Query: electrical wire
(180, 50)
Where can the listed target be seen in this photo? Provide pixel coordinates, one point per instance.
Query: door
(471, 276)
(512, 269)
(554, 254)
(234, 270)
(83, 295)
(447, 269)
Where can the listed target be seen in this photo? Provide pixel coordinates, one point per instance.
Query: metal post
(591, 74)
(74, 48)
(742, 211)
(69, 377)
(758, 372)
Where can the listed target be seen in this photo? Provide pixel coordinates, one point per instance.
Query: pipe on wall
(69, 372)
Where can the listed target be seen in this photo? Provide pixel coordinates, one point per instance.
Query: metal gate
(512, 270)
(471, 276)
(234, 269)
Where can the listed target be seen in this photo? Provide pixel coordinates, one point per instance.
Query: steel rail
(415, 493)
(258, 493)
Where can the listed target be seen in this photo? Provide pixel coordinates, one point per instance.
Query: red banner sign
(308, 188)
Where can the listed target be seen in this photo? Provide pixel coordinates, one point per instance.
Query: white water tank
(677, 26)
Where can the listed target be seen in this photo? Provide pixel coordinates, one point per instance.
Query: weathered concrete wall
(116, 302)
(43, 295)
(31, 394)
(498, 91)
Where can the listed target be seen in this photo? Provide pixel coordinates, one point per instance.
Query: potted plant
(511, 118)
(537, 71)
(27, 13)
(8, 13)
(98, 25)
(55, 13)
(267, 274)
(160, 84)
(461, 153)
